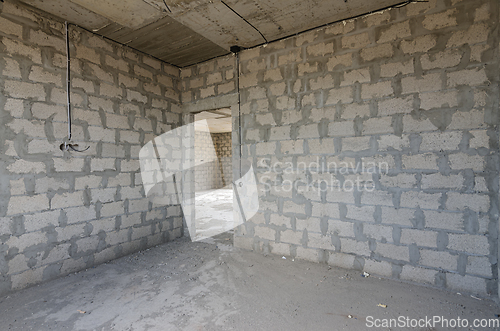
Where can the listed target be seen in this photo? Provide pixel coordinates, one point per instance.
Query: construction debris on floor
(210, 285)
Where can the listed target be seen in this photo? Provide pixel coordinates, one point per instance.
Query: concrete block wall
(207, 173)
(62, 212)
(209, 79)
(217, 173)
(223, 148)
(376, 143)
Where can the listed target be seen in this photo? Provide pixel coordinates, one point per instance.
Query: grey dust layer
(184, 285)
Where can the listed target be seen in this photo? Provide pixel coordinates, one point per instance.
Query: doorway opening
(213, 176)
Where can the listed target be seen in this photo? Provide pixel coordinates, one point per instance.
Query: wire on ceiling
(234, 11)
(408, 2)
(166, 6)
(398, 5)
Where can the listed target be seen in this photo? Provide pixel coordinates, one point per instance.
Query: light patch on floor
(214, 212)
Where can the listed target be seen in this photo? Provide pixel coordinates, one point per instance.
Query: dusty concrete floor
(214, 212)
(186, 285)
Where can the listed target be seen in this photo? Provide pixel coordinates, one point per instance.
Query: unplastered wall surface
(207, 173)
(61, 212)
(217, 172)
(210, 79)
(376, 143)
(223, 147)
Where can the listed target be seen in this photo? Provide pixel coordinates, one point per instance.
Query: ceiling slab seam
(398, 5)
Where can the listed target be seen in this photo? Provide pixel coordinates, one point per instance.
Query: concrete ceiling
(185, 32)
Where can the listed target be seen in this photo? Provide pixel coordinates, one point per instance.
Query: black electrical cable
(244, 20)
(68, 80)
(240, 134)
(124, 45)
(240, 138)
(408, 2)
(67, 145)
(166, 6)
(398, 5)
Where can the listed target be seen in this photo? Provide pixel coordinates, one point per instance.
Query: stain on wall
(223, 145)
